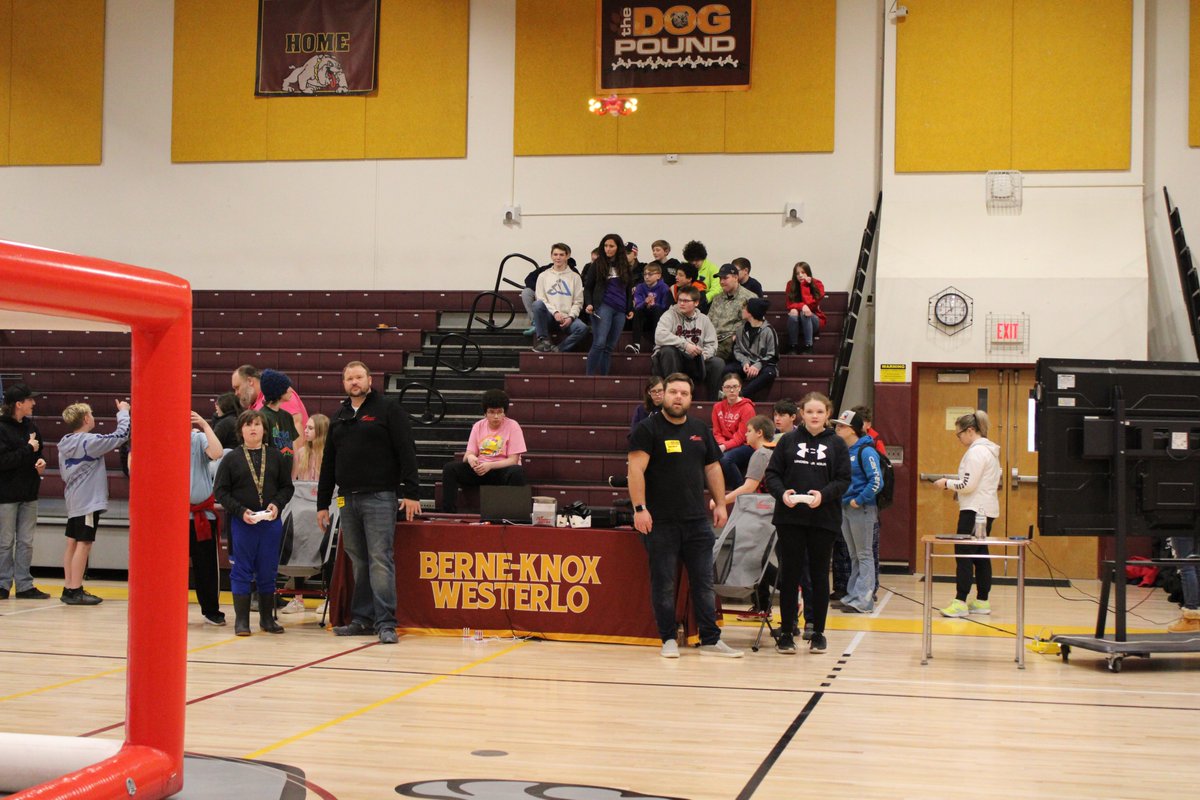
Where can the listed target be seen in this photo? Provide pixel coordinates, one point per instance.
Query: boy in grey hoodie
(685, 341)
(81, 464)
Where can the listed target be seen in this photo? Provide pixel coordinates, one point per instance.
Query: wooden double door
(1006, 394)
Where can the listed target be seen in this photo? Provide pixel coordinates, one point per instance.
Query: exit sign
(1008, 333)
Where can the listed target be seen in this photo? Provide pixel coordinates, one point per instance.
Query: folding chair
(743, 551)
(306, 549)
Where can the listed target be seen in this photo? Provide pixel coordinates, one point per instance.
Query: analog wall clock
(951, 311)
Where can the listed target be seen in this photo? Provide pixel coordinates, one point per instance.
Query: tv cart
(1120, 646)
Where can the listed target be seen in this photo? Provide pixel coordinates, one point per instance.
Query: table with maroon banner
(566, 584)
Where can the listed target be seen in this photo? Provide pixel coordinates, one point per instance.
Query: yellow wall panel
(555, 77)
(315, 128)
(215, 115)
(5, 75)
(1194, 76)
(789, 107)
(689, 122)
(418, 111)
(1072, 84)
(954, 86)
(420, 108)
(56, 100)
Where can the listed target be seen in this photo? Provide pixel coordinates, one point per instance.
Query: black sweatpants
(964, 567)
(796, 545)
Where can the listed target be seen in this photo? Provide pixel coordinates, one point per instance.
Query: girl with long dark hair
(608, 298)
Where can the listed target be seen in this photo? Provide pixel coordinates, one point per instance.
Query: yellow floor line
(380, 703)
(942, 626)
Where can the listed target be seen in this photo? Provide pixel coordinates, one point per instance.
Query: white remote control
(797, 499)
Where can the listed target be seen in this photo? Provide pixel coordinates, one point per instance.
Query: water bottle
(980, 526)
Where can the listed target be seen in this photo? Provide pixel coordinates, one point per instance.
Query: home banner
(312, 47)
(665, 46)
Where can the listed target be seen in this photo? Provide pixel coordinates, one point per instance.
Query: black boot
(241, 614)
(266, 613)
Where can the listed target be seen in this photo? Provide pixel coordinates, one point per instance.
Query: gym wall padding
(418, 111)
(51, 82)
(789, 107)
(1019, 84)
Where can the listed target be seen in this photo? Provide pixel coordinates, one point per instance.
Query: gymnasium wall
(391, 223)
(1074, 260)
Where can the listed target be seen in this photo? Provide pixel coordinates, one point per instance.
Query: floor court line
(1005, 700)
(358, 712)
(765, 767)
(1026, 687)
(246, 684)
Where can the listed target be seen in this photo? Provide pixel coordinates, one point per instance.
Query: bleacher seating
(575, 425)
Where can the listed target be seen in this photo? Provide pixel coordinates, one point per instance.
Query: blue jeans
(255, 555)
(369, 536)
(544, 324)
(1185, 547)
(858, 529)
(17, 524)
(733, 465)
(693, 541)
(607, 324)
(809, 326)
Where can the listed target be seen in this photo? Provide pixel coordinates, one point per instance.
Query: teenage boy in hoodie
(559, 301)
(661, 249)
(725, 310)
(686, 342)
(696, 254)
(651, 299)
(808, 474)
(859, 513)
(729, 417)
(755, 351)
(81, 462)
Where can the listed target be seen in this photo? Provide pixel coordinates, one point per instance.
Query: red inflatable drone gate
(157, 307)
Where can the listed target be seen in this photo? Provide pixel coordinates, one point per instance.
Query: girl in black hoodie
(811, 462)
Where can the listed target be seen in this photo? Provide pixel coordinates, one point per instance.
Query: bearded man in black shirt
(671, 460)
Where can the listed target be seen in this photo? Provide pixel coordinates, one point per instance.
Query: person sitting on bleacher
(725, 309)
(686, 342)
(559, 300)
(529, 292)
(743, 268)
(662, 256)
(246, 386)
(81, 464)
(755, 351)
(651, 299)
(493, 453)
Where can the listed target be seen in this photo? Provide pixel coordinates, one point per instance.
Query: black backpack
(888, 493)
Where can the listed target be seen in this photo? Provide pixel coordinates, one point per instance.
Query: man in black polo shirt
(671, 459)
(368, 454)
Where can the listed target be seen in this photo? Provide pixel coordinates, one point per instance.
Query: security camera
(900, 13)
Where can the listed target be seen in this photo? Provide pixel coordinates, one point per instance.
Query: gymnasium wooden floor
(864, 720)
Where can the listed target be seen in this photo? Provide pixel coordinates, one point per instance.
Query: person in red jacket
(804, 293)
(729, 417)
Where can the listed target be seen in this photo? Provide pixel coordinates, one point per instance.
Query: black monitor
(1076, 438)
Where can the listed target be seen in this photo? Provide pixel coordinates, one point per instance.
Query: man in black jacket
(368, 454)
(21, 468)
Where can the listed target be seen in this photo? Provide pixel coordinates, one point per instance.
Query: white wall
(435, 223)
(1074, 260)
(1169, 162)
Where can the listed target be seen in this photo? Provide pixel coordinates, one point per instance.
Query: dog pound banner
(663, 46)
(314, 47)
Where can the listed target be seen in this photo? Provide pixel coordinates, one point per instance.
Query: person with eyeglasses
(493, 456)
(686, 341)
(652, 401)
(976, 489)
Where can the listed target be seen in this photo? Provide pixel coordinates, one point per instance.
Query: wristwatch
(639, 508)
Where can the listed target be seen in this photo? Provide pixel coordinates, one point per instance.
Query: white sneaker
(670, 649)
(320, 609)
(296, 606)
(720, 649)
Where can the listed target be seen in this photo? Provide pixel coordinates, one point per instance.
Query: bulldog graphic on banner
(314, 47)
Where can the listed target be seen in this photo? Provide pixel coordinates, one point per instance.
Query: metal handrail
(429, 416)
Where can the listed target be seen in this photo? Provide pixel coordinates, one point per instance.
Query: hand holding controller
(794, 499)
(259, 516)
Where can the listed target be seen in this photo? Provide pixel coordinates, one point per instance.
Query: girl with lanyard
(253, 484)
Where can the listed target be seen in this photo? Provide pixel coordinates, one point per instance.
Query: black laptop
(512, 504)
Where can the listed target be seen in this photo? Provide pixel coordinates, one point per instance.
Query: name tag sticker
(673, 446)
(341, 502)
